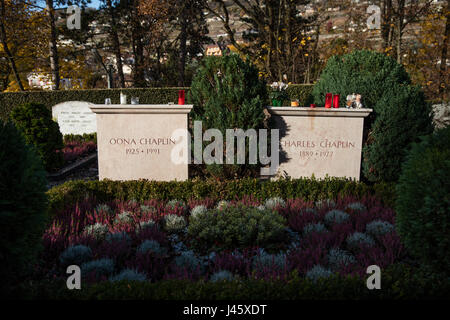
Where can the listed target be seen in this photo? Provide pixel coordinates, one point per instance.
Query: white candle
(123, 98)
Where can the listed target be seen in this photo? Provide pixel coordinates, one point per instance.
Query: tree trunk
(443, 67)
(399, 27)
(270, 37)
(138, 49)
(386, 23)
(183, 39)
(399, 42)
(116, 44)
(53, 44)
(5, 78)
(6, 48)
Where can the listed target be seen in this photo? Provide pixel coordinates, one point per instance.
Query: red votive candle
(181, 97)
(328, 100)
(336, 101)
(312, 105)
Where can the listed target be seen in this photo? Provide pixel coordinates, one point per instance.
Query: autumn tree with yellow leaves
(20, 43)
(279, 38)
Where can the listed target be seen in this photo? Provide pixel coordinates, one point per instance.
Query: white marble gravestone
(74, 117)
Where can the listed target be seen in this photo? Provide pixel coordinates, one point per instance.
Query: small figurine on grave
(357, 103)
(350, 99)
(354, 101)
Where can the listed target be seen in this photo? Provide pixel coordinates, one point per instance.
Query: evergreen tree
(228, 94)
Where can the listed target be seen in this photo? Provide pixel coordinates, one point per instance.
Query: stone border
(141, 108)
(62, 173)
(319, 112)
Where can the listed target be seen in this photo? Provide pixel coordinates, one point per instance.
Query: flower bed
(74, 150)
(230, 240)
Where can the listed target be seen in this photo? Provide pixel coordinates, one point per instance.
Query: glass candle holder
(328, 100)
(134, 100)
(336, 101)
(181, 97)
(123, 98)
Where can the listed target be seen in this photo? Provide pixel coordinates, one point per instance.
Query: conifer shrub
(227, 93)
(198, 211)
(273, 203)
(263, 262)
(400, 113)
(336, 217)
(189, 261)
(35, 122)
(144, 225)
(174, 223)
(222, 275)
(358, 239)
(423, 202)
(338, 258)
(76, 255)
(151, 246)
(128, 275)
(23, 205)
(379, 228)
(237, 227)
(314, 227)
(97, 268)
(97, 230)
(366, 72)
(403, 116)
(318, 272)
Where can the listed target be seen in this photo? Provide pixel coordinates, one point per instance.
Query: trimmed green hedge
(9, 100)
(302, 92)
(397, 282)
(308, 189)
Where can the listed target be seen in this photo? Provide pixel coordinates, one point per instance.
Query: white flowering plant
(279, 91)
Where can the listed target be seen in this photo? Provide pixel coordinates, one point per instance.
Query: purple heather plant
(312, 249)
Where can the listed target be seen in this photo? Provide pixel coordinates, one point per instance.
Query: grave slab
(320, 141)
(136, 141)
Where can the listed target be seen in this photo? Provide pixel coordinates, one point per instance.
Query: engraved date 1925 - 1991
(321, 154)
(137, 151)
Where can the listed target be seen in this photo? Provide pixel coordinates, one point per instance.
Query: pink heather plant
(69, 225)
(74, 150)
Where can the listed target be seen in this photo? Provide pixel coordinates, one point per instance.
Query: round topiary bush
(366, 72)
(423, 200)
(403, 115)
(23, 204)
(35, 122)
(400, 113)
(227, 93)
